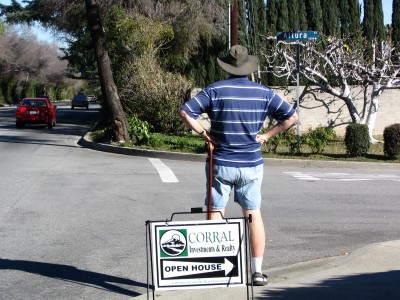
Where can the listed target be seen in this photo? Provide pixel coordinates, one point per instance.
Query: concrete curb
(86, 142)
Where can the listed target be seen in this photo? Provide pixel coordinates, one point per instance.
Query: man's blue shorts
(246, 183)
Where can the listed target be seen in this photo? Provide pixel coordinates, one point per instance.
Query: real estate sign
(198, 254)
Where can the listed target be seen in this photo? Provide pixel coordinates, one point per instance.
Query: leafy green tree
(147, 91)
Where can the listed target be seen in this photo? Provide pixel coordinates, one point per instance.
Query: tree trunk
(373, 111)
(107, 83)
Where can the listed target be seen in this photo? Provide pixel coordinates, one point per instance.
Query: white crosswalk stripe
(164, 171)
(327, 176)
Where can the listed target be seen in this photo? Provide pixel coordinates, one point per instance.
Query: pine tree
(396, 23)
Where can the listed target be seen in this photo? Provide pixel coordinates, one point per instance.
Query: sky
(47, 36)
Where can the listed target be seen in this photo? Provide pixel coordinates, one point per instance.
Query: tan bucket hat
(238, 61)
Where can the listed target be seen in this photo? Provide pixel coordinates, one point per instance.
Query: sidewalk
(372, 272)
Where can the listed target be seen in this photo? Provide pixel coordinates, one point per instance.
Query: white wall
(322, 109)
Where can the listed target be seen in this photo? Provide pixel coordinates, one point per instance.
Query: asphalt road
(72, 220)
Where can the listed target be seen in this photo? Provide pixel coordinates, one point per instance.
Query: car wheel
(87, 107)
(19, 124)
(50, 125)
(72, 107)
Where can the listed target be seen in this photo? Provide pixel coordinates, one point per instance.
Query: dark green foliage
(391, 138)
(272, 16)
(373, 26)
(357, 139)
(349, 13)
(282, 23)
(314, 15)
(355, 15)
(330, 13)
(396, 23)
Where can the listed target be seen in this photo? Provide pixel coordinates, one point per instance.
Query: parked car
(35, 111)
(80, 100)
(91, 98)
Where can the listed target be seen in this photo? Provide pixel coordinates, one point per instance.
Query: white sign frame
(198, 254)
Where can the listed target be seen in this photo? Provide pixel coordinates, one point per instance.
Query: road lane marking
(326, 176)
(165, 173)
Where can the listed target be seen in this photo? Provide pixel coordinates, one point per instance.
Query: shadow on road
(384, 285)
(73, 274)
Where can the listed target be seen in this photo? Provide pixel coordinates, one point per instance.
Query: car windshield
(33, 102)
(80, 98)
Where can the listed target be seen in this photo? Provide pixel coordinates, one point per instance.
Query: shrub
(292, 140)
(318, 138)
(138, 130)
(272, 144)
(357, 139)
(391, 139)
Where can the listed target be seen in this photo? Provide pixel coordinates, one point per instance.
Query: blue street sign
(296, 35)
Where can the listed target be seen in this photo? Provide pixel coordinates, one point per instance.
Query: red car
(35, 111)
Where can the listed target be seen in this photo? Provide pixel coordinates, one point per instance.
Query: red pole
(210, 179)
(235, 23)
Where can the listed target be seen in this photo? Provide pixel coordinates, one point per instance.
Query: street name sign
(198, 254)
(292, 36)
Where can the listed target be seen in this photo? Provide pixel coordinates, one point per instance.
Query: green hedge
(391, 138)
(357, 139)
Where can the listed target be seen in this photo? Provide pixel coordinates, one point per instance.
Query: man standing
(237, 108)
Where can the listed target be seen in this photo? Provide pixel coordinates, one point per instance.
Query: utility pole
(235, 24)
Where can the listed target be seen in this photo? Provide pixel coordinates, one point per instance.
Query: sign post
(296, 36)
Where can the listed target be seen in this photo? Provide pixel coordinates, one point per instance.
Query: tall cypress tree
(314, 13)
(344, 18)
(293, 13)
(243, 22)
(355, 17)
(349, 18)
(272, 15)
(368, 21)
(283, 20)
(379, 24)
(302, 14)
(396, 23)
(330, 14)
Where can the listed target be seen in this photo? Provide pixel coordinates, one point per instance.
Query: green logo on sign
(173, 243)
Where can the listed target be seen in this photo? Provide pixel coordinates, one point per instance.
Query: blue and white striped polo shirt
(237, 108)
